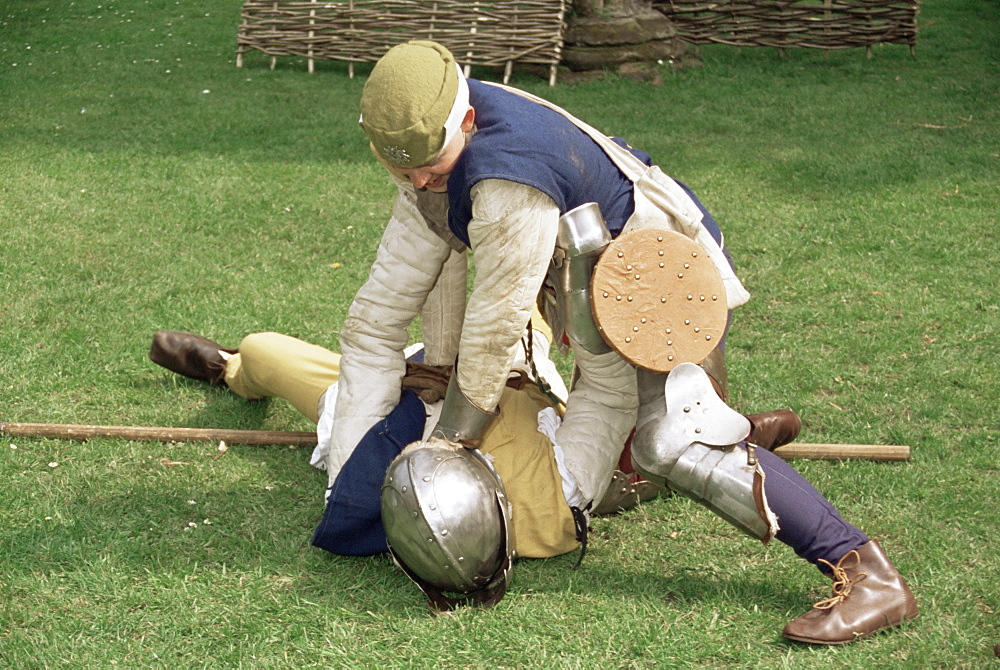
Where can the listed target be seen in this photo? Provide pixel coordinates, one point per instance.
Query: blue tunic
(524, 142)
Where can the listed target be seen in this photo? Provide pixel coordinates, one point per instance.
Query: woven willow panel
(361, 31)
(818, 24)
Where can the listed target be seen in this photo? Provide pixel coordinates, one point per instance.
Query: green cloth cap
(407, 100)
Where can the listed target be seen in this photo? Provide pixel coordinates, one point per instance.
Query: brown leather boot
(869, 594)
(190, 355)
(774, 429)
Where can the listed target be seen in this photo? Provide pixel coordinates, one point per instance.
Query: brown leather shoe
(190, 355)
(869, 595)
(774, 429)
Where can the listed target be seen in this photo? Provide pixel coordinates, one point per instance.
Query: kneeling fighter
(497, 171)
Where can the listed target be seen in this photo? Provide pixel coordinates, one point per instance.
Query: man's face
(434, 176)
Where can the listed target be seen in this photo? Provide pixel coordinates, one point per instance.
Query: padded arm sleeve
(407, 266)
(512, 235)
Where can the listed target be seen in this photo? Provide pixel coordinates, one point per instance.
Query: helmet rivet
(697, 330)
(628, 267)
(697, 430)
(628, 339)
(659, 238)
(680, 275)
(605, 294)
(687, 409)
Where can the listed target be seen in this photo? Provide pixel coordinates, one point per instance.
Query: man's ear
(469, 121)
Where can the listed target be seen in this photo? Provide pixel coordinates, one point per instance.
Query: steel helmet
(447, 521)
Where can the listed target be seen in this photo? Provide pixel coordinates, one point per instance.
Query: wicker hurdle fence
(487, 33)
(816, 24)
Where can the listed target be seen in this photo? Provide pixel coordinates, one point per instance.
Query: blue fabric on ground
(352, 520)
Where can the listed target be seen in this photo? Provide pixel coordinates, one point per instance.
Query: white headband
(458, 110)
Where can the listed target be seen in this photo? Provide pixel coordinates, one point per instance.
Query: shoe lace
(842, 582)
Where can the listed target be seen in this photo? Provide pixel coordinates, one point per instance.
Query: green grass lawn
(147, 183)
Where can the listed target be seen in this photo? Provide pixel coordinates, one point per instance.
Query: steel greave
(725, 478)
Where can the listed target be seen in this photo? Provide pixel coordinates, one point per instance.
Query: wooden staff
(843, 452)
(160, 434)
(796, 450)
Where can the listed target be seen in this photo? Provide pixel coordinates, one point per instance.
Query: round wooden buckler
(659, 299)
